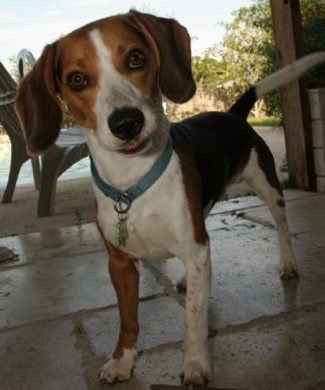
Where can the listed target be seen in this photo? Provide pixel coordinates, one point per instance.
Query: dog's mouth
(135, 146)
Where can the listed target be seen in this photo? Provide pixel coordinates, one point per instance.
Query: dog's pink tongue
(133, 145)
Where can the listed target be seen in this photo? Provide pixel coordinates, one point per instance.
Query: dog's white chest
(158, 221)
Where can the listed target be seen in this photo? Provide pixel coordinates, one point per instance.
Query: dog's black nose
(126, 123)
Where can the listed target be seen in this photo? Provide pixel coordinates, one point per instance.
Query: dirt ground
(74, 203)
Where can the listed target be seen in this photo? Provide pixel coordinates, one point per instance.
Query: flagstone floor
(59, 319)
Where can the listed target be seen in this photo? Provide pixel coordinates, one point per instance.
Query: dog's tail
(281, 77)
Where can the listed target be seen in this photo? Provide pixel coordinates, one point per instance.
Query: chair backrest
(8, 116)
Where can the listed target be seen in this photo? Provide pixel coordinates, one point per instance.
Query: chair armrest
(71, 137)
(7, 98)
(25, 62)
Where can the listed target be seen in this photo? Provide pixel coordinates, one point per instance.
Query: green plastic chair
(69, 148)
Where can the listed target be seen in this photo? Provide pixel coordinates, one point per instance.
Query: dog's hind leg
(260, 174)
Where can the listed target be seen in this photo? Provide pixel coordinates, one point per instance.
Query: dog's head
(112, 74)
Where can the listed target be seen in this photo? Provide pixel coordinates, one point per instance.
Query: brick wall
(317, 110)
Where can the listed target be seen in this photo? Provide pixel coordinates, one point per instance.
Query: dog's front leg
(196, 365)
(125, 278)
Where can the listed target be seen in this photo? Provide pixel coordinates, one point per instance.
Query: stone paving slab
(283, 353)
(304, 215)
(41, 357)
(64, 243)
(161, 322)
(59, 321)
(252, 201)
(50, 289)
(316, 238)
(245, 278)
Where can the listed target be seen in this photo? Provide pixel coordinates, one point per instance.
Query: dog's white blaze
(116, 91)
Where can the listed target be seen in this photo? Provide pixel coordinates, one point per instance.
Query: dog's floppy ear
(37, 104)
(173, 43)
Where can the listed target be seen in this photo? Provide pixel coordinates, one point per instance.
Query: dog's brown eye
(136, 59)
(77, 81)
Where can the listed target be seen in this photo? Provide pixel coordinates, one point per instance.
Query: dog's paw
(196, 372)
(119, 370)
(289, 271)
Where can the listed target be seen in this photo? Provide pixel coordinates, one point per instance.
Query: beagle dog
(154, 181)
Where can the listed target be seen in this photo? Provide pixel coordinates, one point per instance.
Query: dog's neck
(120, 170)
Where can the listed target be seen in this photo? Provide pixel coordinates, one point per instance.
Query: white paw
(196, 372)
(119, 370)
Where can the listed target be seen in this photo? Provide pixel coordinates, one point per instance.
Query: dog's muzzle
(126, 123)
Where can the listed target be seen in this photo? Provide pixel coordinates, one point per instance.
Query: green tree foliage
(247, 52)
(313, 21)
(206, 71)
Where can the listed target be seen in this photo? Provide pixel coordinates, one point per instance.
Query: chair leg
(18, 157)
(51, 162)
(54, 162)
(36, 167)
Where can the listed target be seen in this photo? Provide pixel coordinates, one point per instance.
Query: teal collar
(141, 186)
